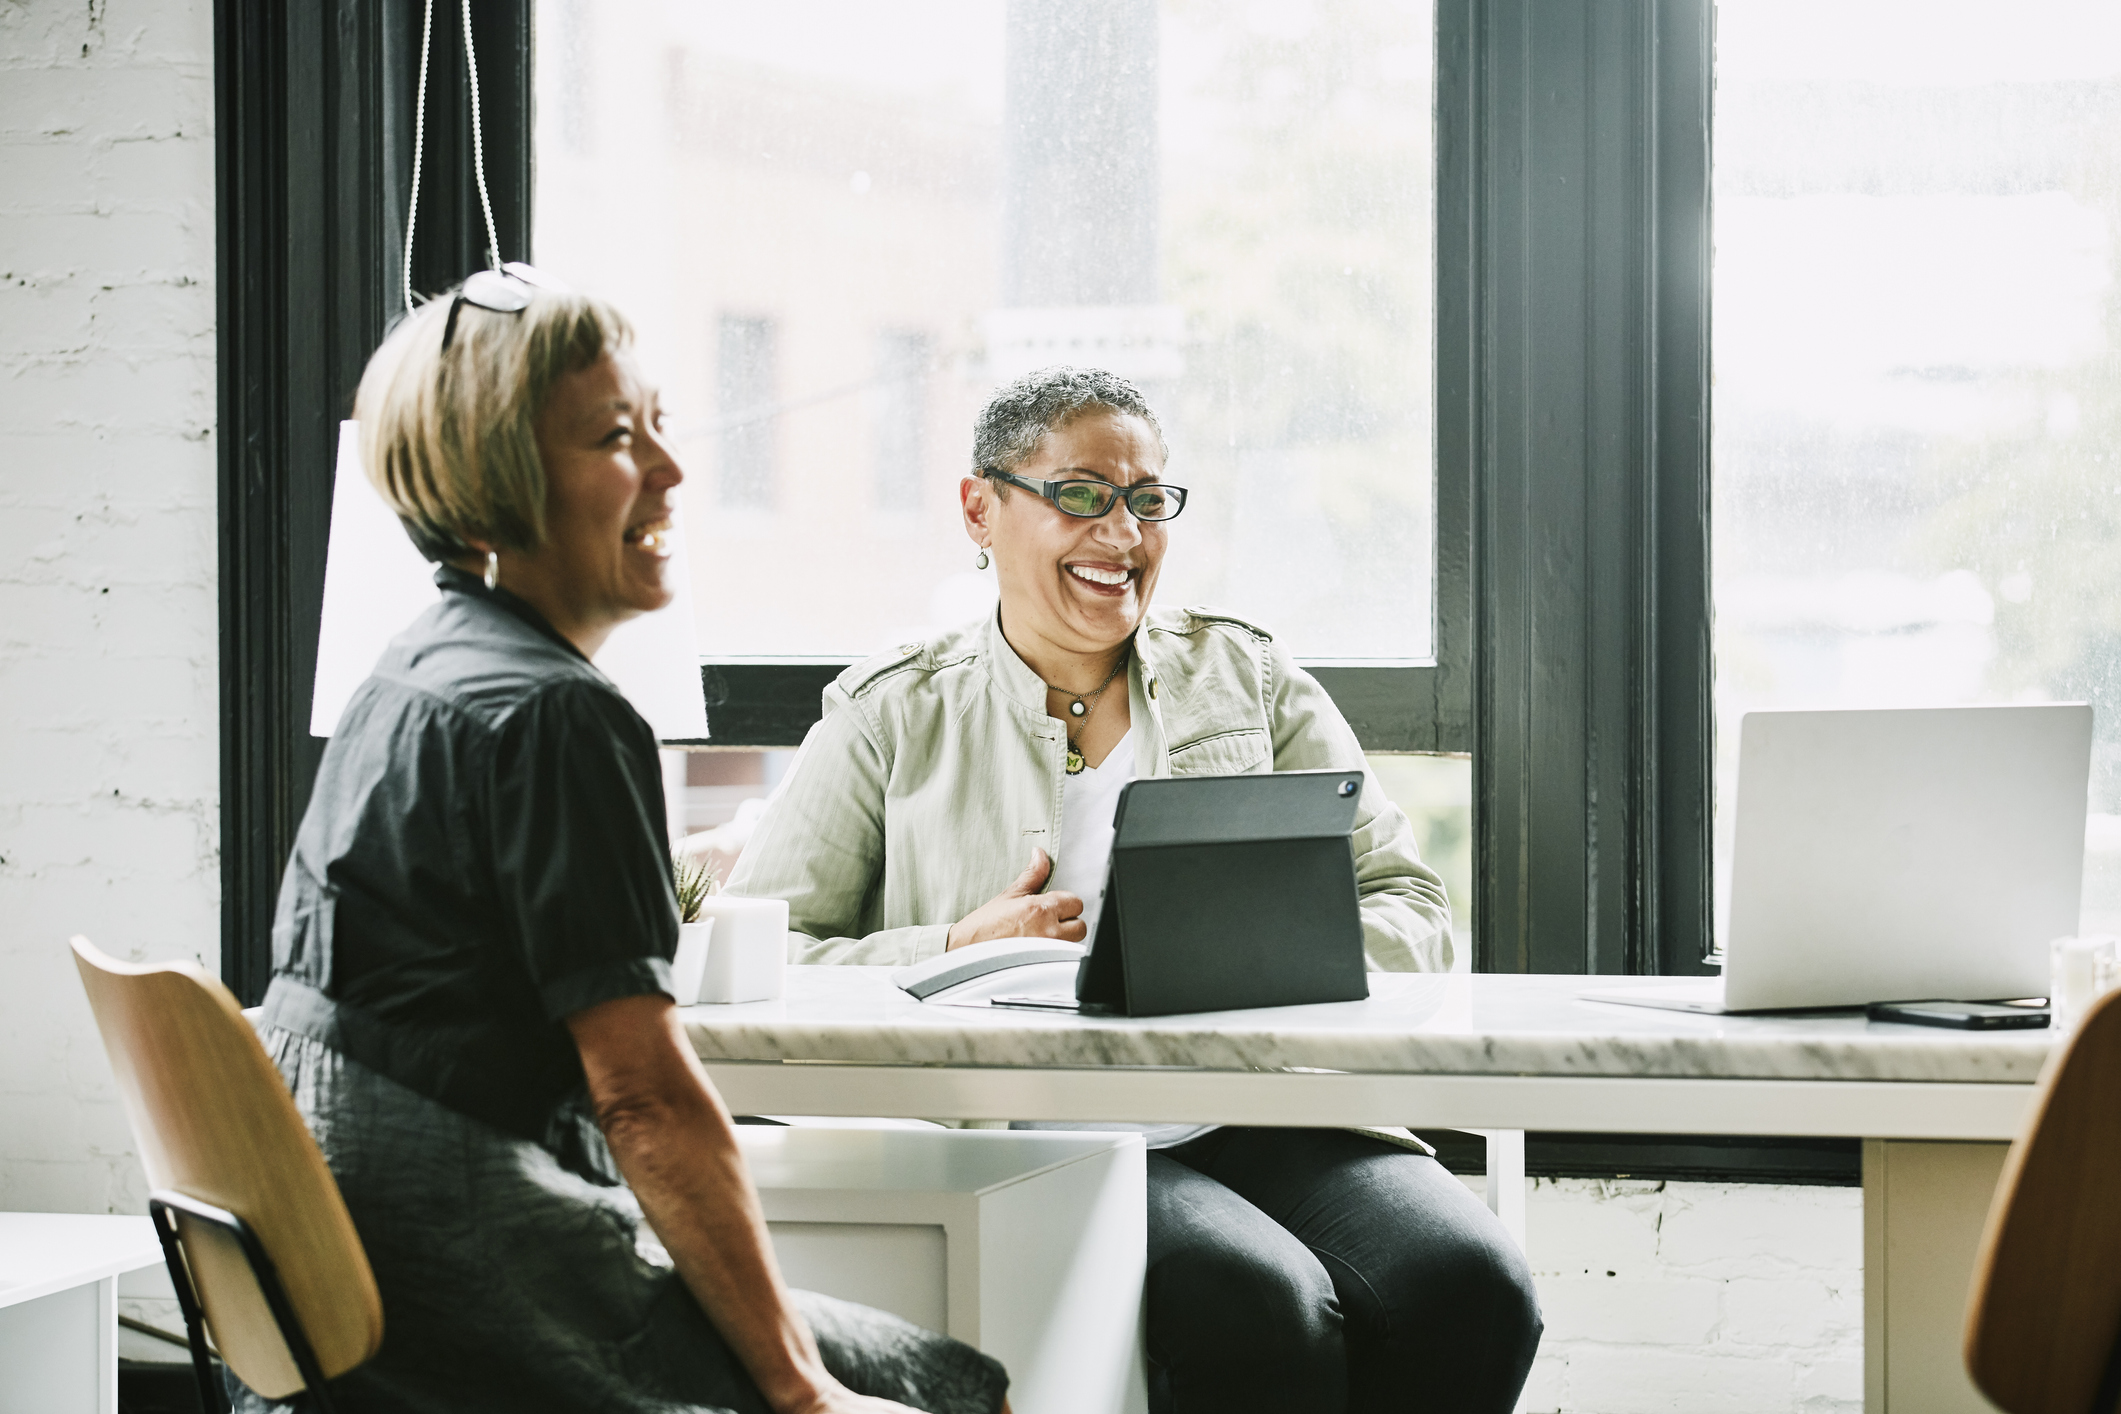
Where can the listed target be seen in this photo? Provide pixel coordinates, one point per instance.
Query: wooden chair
(258, 1241)
(2043, 1323)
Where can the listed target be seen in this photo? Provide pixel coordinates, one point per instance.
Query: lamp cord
(419, 145)
(478, 144)
(419, 139)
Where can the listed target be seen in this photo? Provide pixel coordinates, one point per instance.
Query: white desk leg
(1506, 1184)
(107, 1345)
(1924, 1204)
(1506, 1181)
(59, 1353)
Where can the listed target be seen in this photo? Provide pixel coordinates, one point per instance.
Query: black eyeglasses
(508, 290)
(1087, 500)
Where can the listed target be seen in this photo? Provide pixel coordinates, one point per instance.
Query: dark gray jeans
(1296, 1270)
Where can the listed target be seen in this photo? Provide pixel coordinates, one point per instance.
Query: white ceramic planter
(691, 961)
(749, 951)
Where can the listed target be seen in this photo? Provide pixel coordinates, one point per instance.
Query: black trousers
(1307, 1269)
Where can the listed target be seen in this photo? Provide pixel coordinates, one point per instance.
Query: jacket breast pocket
(1235, 753)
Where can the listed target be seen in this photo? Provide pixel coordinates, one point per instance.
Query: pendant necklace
(1080, 709)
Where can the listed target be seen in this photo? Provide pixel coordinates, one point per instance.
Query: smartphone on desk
(1967, 1016)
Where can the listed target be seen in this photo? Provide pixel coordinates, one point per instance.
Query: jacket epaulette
(869, 672)
(1212, 616)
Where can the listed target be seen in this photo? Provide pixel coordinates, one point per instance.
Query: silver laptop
(1898, 855)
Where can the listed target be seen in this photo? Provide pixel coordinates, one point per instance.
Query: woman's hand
(1021, 911)
(842, 1401)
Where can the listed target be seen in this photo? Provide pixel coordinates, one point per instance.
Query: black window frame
(1572, 397)
(313, 154)
(1574, 146)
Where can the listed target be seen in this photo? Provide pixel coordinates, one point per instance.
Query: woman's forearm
(694, 1192)
(820, 846)
(893, 947)
(676, 1146)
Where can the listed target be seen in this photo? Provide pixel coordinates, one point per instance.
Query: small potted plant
(694, 880)
(693, 877)
(730, 949)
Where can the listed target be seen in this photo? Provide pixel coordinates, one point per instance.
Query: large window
(1918, 402)
(1328, 235)
(840, 225)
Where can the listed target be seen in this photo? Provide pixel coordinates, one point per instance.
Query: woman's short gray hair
(1018, 418)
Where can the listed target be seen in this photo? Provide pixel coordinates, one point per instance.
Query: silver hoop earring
(493, 569)
(982, 562)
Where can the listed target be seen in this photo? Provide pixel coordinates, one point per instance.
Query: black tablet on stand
(1227, 892)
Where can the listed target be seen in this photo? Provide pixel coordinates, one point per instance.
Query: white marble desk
(1494, 1053)
(1466, 1052)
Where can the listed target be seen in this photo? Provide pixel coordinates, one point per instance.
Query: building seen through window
(745, 412)
(1917, 447)
(899, 411)
(840, 226)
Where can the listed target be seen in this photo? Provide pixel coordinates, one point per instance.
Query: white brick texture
(1696, 1298)
(108, 735)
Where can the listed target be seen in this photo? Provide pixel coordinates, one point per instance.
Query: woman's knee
(1227, 1286)
(1466, 1275)
(1464, 1314)
(1235, 1329)
(1417, 1253)
(1248, 1296)
(1505, 1286)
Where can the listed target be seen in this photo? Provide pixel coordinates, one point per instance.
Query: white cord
(419, 137)
(478, 144)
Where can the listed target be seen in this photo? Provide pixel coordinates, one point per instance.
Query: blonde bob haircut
(447, 436)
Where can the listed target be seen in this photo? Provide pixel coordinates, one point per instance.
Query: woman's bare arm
(675, 1144)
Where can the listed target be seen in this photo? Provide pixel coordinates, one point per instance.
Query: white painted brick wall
(1696, 1298)
(108, 735)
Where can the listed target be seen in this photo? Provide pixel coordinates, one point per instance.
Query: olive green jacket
(935, 770)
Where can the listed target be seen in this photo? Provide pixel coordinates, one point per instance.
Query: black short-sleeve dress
(483, 855)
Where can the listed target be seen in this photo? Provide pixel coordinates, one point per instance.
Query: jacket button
(909, 648)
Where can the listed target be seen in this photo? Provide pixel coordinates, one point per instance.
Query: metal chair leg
(213, 1399)
(2108, 1400)
(163, 1204)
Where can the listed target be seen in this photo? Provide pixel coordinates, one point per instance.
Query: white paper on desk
(375, 584)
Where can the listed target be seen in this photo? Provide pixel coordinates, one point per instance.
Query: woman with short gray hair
(471, 994)
(1289, 1269)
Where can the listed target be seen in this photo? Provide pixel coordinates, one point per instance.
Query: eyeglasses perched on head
(1087, 500)
(508, 290)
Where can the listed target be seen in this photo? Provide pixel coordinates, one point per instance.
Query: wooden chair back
(2044, 1314)
(214, 1121)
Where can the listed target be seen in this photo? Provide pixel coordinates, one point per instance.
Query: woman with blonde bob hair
(472, 995)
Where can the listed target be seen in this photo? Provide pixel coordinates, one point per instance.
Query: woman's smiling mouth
(650, 535)
(1102, 579)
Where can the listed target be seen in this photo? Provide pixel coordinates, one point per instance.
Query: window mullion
(1576, 142)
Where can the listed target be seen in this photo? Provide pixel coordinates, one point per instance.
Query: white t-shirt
(1088, 800)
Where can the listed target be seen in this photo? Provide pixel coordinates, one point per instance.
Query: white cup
(749, 950)
(2081, 970)
(691, 961)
